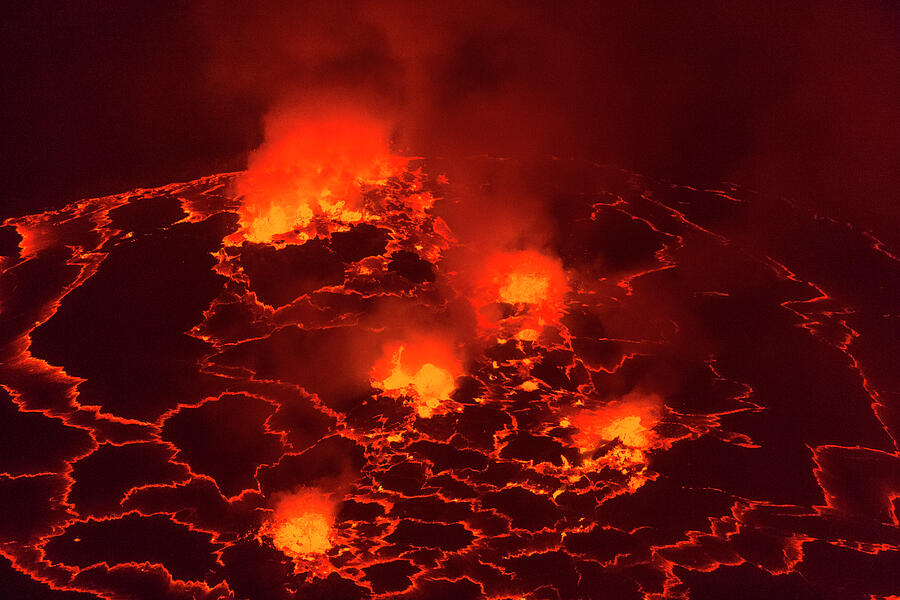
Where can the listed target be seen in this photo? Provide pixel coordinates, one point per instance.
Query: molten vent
(309, 169)
(424, 372)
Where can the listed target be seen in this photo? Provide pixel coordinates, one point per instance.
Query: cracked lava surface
(685, 393)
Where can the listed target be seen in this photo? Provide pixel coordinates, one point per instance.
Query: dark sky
(798, 98)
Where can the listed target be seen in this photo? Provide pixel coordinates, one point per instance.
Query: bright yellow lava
(525, 288)
(302, 536)
(430, 385)
(629, 430)
(277, 220)
(527, 335)
(631, 422)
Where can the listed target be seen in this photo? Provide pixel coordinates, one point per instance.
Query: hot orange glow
(423, 370)
(629, 430)
(301, 525)
(431, 384)
(303, 535)
(533, 282)
(310, 167)
(526, 277)
(528, 288)
(630, 420)
(625, 429)
(528, 335)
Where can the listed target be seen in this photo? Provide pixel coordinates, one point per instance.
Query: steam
(313, 164)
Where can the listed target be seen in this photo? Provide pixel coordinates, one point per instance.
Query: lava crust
(681, 393)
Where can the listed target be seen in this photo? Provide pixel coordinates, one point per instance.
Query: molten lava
(312, 168)
(628, 430)
(529, 284)
(618, 436)
(527, 277)
(304, 535)
(503, 452)
(409, 370)
(301, 525)
(630, 421)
